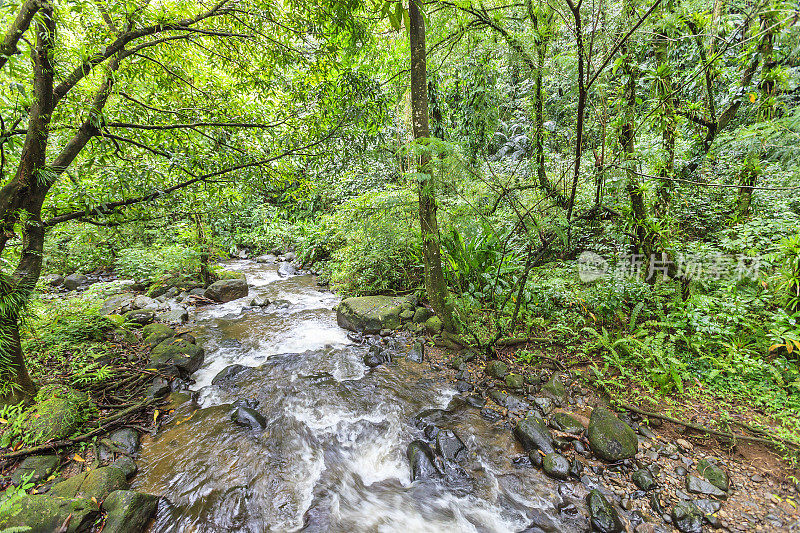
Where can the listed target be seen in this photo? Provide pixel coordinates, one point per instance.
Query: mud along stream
(333, 455)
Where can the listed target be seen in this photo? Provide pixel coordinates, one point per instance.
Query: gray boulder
(533, 434)
(180, 353)
(54, 280)
(140, 316)
(422, 461)
(119, 304)
(144, 302)
(226, 290)
(176, 316)
(266, 259)
(286, 269)
(75, 281)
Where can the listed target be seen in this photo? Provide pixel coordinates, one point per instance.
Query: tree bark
(582, 97)
(435, 286)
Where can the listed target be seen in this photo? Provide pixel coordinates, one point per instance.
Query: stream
(333, 454)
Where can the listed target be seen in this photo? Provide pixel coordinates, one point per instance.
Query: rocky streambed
(288, 422)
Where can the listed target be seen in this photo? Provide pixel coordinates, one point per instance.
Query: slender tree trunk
(747, 181)
(582, 97)
(23, 206)
(669, 128)
(435, 286)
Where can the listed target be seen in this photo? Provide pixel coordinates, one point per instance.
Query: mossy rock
(97, 484)
(38, 466)
(180, 353)
(370, 314)
(496, 369)
(555, 388)
(566, 423)
(514, 381)
(45, 513)
(128, 511)
(227, 290)
(433, 325)
(58, 412)
(421, 314)
(714, 474)
(180, 282)
(154, 334)
(610, 438)
(140, 317)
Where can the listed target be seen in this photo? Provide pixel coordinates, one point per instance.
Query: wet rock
(119, 304)
(248, 417)
(610, 438)
(475, 401)
(43, 513)
(514, 381)
(714, 474)
(54, 280)
(155, 334)
(433, 325)
(417, 353)
(698, 485)
(575, 468)
(227, 374)
(422, 461)
(687, 517)
(158, 388)
(377, 356)
(369, 314)
(97, 483)
(555, 388)
(566, 423)
(449, 446)
(533, 434)
(556, 465)
(536, 458)
(39, 467)
(604, 517)
(140, 316)
(406, 315)
(177, 352)
(128, 511)
(643, 479)
(126, 465)
(286, 269)
(544, 404)
(266, 259)
(75, 281)
(124, 441)
(176, 316)
(490, 414)
(421, 315)
(226, 290)
(259, 301)
(496, 369)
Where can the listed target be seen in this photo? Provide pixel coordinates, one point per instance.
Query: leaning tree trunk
(22, 200)
(435, 286)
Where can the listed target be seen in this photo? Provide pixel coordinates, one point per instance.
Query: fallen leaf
(79, 458)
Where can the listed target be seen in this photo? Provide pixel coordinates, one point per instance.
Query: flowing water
(333, 455)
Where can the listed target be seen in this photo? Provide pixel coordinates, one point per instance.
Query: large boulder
(176, 316)
(44, 513)
(119, 304)
(75, 281)
(370, 314)
(97, 484)
(533, 434)
(604, 517)
(714, 474)
(57, 414)
(36, 466)
(180, 353)
(422, 461)
(128, 511)
(610, 438)
(141, 317)
(226, 290)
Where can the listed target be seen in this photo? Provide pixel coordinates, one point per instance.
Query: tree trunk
(582, 97)
(435, 286)
(669, 127)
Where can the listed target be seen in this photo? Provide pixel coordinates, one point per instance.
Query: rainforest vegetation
(608, 183)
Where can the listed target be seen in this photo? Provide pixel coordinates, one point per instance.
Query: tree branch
(20, 25)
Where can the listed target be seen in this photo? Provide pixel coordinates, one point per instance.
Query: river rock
(37, 466)
(286, 269)
(140, 316)
(555, 388)
(266, 259)
(422, 461)
(604, 517)
(687, 517)
(128, 511)
(126, 440)
(248, 417)
(75, 281)
(714, 474)
(533, 434)
(566, 423)
(698, 485)
(54, 280)
(44, 513)
(226, 290)
(144, 302)
(228, 373)
(433, 325)
(421, 315)
(643, 479)
(97, 483)
(176, 316)
(259, 301)
(369, 314)
(377, 356)
(514, 381)
(417, 353)
(556, 465)
(126, 465)
(496, 369)
(155, 334)
(119, 304)
(450, 446)
(180, 353)
(610, 438)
